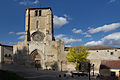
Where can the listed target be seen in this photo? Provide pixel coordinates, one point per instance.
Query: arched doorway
(37, 59)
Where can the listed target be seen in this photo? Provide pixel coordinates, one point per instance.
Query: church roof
(96, 48)
(40, 8)
(101, 47)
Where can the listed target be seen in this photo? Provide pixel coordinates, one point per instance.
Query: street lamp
(89, 66)
(93, 69)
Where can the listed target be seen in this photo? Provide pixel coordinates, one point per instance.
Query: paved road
(33, 74)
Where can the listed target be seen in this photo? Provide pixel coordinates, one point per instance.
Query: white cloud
(59, 21)
(105, 28)
(88, 36)
(36, 2)
(29, 2)
(67, 41)
(111, 1)
(11, 33)
(112, 39)
(74, 30)
(20, 33)
(21, 37)
(59, 36)
(66, 15)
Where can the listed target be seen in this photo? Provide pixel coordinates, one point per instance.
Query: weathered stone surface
(48, 52)
(6, 54)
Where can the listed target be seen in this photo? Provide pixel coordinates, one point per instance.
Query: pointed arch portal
(37, 58)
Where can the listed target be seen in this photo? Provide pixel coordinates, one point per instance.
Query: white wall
(104, 54)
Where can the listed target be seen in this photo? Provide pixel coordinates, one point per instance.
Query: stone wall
(113, 54)
(45, 23)
(6, 54)
(96, 56)
(52, 53)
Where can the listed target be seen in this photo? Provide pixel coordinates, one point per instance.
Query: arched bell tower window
(39, 12)
(36, 13)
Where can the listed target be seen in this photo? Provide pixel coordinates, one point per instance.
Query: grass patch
(8, 75)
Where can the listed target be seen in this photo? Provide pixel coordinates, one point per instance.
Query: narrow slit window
(36, 13)
(39, 12)
(37, 24)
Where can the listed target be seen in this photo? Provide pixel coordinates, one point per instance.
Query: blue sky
(76, 22)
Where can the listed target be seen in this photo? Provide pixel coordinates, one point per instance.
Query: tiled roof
(96, 48)
(110, 64)
(101, 47)
(5, 45)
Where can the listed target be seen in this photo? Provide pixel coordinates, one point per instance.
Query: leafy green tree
(77, 54)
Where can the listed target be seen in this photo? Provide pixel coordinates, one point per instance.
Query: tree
(77, 54)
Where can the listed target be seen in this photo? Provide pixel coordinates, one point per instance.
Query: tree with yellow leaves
(77, 54)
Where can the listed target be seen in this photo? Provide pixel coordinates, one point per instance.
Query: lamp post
(89, 65)
(93, 69)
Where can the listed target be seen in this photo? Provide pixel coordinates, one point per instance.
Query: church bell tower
(39, 24)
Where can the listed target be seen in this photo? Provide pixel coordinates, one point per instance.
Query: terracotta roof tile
(111, 64)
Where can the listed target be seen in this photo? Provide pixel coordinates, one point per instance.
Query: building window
(37, 24)
(97, 51)
(107, 50)
(9, 55)
(119, 57)
(36, 13)
(111, 53)
(39, 12)
(6, 55)
(115, 50)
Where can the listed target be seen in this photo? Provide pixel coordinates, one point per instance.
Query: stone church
(39, 46)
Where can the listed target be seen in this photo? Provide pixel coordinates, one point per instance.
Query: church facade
(39, 46)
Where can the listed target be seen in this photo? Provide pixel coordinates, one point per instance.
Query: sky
(76, 22)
